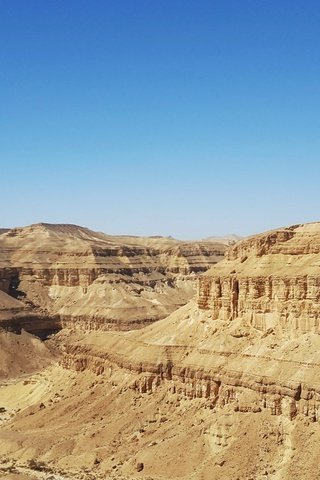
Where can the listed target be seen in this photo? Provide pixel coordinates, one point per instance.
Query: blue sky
(184, 118)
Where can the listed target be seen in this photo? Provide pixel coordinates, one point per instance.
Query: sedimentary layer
(227, 386)
(224, 363)
(254, 328)
(271, 280)
(87, 279)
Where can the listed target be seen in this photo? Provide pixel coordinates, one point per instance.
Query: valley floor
(76, 422)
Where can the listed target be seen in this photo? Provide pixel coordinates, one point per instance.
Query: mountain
(225, 239)
(225, 386)
(70, 275)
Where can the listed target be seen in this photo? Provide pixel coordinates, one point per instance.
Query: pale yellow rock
(72, 276)
(225, 387)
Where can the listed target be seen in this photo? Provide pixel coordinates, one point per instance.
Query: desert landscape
(159, 240)
(127, 357)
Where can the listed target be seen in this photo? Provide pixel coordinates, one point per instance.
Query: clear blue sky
(184, 118)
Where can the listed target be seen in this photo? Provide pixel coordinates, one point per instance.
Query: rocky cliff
(269, 281)
(85, 279)
(226, 386)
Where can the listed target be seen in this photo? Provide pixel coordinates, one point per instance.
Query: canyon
(161, 359)
(66, 275)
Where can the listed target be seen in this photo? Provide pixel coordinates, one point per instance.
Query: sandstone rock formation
(226, 386)
(269, 281)
(70, 275)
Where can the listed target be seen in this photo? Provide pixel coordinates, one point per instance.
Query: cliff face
(232, 364)
(271, 280)
(233, 374)
(251, 340)
(91, 280)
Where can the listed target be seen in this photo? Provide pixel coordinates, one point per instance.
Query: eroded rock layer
(227, 386)
(83, 279)
(271, 280)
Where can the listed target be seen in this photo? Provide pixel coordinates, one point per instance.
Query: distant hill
(78, 275)
(226, 239)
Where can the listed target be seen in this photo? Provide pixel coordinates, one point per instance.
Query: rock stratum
(67, 275)
(226, 386)
(271, 280)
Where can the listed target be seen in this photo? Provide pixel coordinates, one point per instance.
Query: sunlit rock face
(73, 276)
(269, 280)
(226, 386)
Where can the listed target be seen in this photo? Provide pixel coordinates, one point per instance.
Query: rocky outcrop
(72, 276)
(244, 391)
(233, 374)
(242, 344)
(271, 280)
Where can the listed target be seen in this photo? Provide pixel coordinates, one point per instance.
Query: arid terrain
(70, 276)
(152, 358)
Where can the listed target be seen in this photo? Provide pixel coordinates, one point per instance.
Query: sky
(170, 117)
